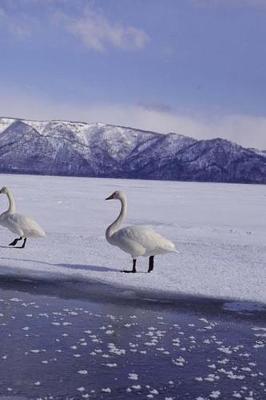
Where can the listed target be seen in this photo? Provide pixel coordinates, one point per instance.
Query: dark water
(65, 348)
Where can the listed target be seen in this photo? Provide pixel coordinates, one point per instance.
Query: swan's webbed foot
(128, 272)
(133, 271)
(23, 244)
(15, 242)
(151, 263)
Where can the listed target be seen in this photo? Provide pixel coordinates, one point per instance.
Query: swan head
(4, 190)
(117, 195)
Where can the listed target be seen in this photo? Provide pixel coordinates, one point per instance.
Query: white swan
(19, 224)
(136, 240)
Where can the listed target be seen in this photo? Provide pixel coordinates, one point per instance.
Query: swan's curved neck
(116, 224)
(11, 200)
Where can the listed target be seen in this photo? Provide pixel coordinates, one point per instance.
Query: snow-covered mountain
(82, 149)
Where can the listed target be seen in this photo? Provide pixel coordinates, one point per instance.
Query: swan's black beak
(110, 197)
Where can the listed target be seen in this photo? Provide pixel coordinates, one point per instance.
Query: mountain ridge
(74, 148)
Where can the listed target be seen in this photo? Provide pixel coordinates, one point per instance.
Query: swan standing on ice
(136, 240)
(19, 224)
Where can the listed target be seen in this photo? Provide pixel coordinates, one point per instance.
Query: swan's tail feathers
(173, 249)
(37, 231)
(42, 233)
(170, 246)
(38, 234)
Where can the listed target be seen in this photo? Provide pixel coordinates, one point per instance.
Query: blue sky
(196, 67)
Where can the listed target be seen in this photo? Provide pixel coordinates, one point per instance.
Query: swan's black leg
(151, 263)
(15, 242)
(134, 267)
(23, 244)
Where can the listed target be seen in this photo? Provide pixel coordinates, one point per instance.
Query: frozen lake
(219, 229)
(74, 327)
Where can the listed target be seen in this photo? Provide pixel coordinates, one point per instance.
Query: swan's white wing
(150, 241)
(26, 225)
(10, 223)
(129, 246)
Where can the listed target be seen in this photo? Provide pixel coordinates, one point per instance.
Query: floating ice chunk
(133, 376)
(136, 387)
(258, 328)
(199, 379)
(106, 390)
(215, 394)
(225, 349)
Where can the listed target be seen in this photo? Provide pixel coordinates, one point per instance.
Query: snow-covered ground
(219, 229)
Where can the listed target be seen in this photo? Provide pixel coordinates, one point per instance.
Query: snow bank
(219, 229)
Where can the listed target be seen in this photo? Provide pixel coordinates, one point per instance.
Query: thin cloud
(19, 26)
(247, 130)
(161, 107)
(231, 3)
(97, 33)
(87, 25)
